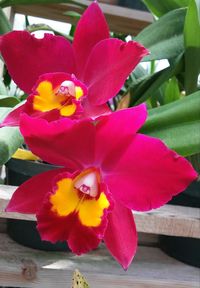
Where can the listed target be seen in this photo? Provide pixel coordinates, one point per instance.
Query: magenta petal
(55, 228)
(12, 119)
(27, 57)
(94, 111)
(116, 131)
(121, 236)
(109, 64)
(91, 29)
(64, 142)
(29, 196)
(148, 174)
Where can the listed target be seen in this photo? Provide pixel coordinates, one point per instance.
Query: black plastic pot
(184, 249)
(22, 231)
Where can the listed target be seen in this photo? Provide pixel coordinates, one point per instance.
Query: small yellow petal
(45, 100)
(91, 210)
(68, 110)
(79, 92)
(65, 200)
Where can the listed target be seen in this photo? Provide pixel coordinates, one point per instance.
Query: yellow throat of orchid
(81, 195)
(62, 98)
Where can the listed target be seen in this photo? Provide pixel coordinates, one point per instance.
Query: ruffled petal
(67, 228)
(115, 132)
(67, 215)
(147, 174)
(65, 142)
(91, 29)
(27, 57)
(109, 64)
(29, 196)
(121, 236)
(13, 118)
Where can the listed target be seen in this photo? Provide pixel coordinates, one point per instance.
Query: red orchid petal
(27, 57)
(116, 130)
(147, 174)
(108, 66)
(12, 119)
(64, 142)
(94, 111)
(29, 196)
(67, 228)
(121, 236)
(91, 29)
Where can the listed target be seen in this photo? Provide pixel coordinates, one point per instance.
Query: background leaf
(161, 7)
(164, 37)
(172, 91)
(10, 139)
(177, 124)
(145, 89)
(6, 101)
(192, 46)
(5, 25)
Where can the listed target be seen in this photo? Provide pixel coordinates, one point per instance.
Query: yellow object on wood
(25, 155)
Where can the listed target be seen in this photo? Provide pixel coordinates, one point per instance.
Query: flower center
(87, 184)
(67, 88)
(81, 195)
(61, 93)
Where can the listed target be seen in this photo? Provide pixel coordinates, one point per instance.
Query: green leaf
(73, 14)
(143, 90)
(3, 89)
(164, 37)
(5, 25)
(192, 46)
(10, 141)
(6, 101)
(177, 124)
(172, 91)
(161, 7)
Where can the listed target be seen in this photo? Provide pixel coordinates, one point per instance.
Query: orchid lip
(58, 91)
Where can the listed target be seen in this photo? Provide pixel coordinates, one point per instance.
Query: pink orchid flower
(109, 169)
(80, 77)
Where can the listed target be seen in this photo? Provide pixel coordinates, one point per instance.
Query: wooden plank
(120, 19)
(25, 267)
(167, 220)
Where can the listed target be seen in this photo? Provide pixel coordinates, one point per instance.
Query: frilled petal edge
(148, 174)
(30, 195)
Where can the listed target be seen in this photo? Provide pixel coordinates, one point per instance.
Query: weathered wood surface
(120, 19)
(168, 220)
(151, 268)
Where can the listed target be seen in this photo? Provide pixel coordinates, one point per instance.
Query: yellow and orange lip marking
(67, 199)
(48, 99)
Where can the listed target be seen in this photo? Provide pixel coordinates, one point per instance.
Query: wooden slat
(120, 19)
(25, 267)
(168, 220)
